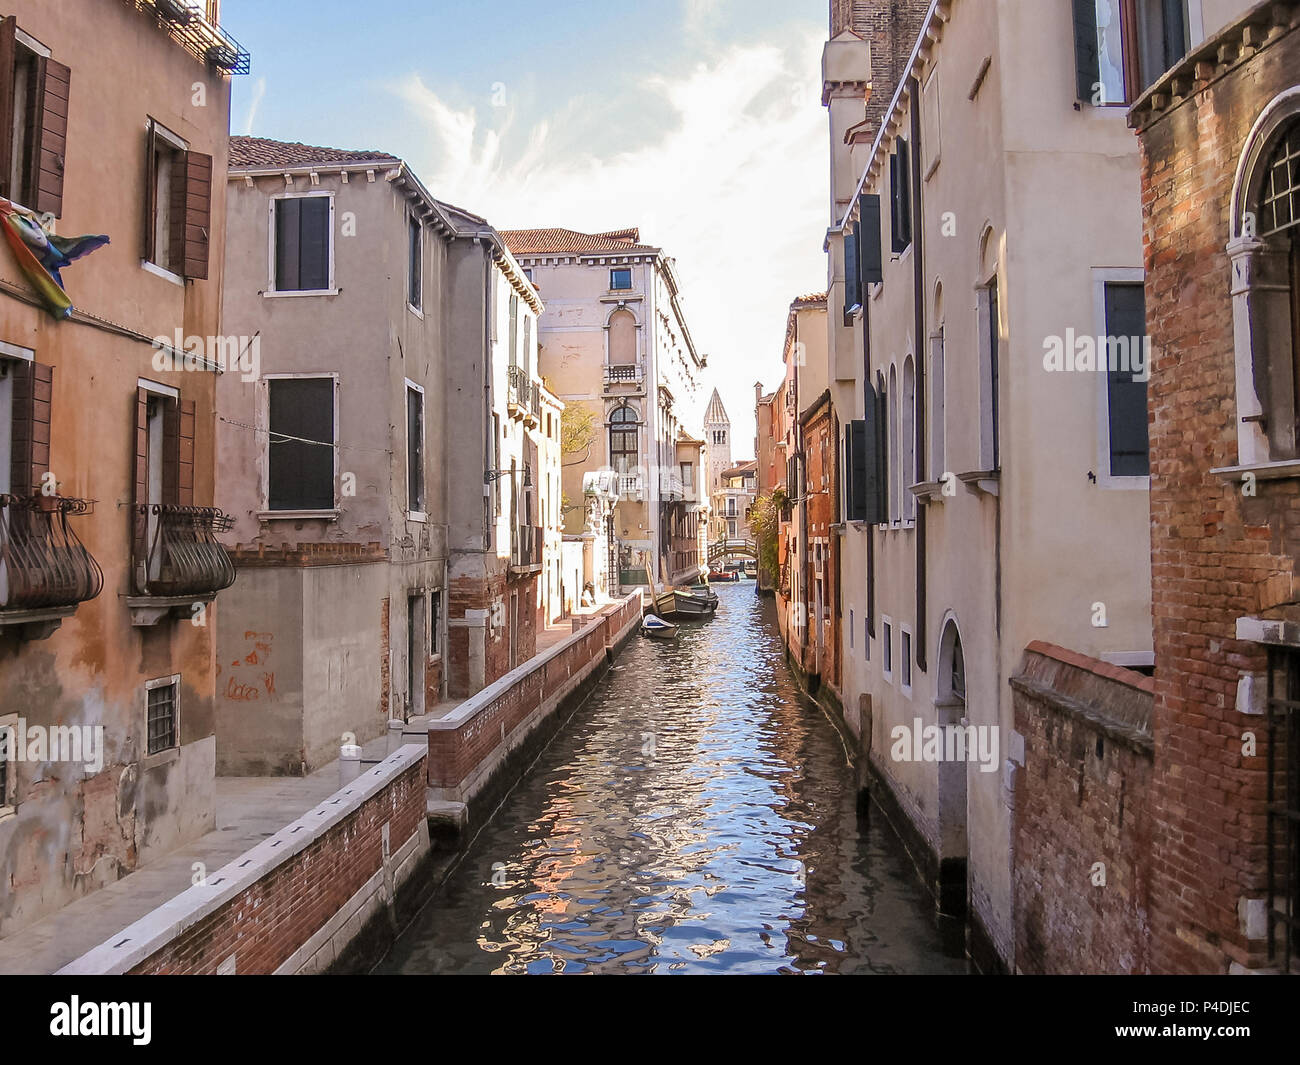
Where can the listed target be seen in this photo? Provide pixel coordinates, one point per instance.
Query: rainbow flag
(41, 254)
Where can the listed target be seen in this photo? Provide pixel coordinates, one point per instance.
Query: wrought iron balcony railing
(623, 374)
(175, 550)
(535, 399)
(42, 563)
(516, 388)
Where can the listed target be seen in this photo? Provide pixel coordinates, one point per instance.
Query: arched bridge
(720, 549)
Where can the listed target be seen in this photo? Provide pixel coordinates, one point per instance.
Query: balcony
(526, 550)
(192, 24)
(176, 560)
(45, 571)
(630, 487)
(523, 396)
(623, 374)
(534, 415)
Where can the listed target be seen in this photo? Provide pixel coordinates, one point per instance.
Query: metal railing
(42, 563)
(194, 27)
(620, 373)
(175, 550)
(535, 399)
(516, 386)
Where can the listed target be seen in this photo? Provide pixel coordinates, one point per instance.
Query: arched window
(622, 440)
(622, 338)
(908, 444)
(892, 454)
(1265, 254)
(952, 675)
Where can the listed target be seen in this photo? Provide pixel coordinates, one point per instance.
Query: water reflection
(694, 816)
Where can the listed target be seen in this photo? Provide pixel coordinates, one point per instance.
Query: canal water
(695, 815)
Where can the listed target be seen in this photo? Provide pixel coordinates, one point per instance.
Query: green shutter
(852, 284)
(868, 241)
(1087, 61)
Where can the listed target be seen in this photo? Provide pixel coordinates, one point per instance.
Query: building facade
(1220, 141)
(615, 342)
(957, 513)
(111, 578)
(392, 562)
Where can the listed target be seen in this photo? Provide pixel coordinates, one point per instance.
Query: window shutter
(150, 189)
(287, 228)
(900, 197)
(8, 46)
(185, 457)
(52, 131)
(870, 270)
(852, 286)
(874, 459)
(858, 479)
(196, 215)
(315, 248)
(33, 393)
(1087, 61)
(1126, 398)
(176, 216)
(171, 453)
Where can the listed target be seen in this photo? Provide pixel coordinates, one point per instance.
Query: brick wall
(1216, 553)
(891, 27)
(486, 726)
(276, 899)
(1082, 823)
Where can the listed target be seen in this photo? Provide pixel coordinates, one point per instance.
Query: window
(887, 666)
(514, 329)
(1126, 391)
(415, 263)
(907, 446)
(990, 353)
(852, 629)
(1283, 796)
(303, 228)
(900, 193)
(852, 278)
(178, 205)
(620, 280)
(905, 659)
(622, 338)
(622, 440)
(162, 706)
(33, 121)
(527, 361)
(414, 449)
(930, 124)
(892, 394)
(937, 441)
(301, 443)
(435, 612)
(1123, 47)
(1265, 254)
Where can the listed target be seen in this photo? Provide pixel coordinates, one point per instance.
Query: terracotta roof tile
(552, 241)
(256, 152)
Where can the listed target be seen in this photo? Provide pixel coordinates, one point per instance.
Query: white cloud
(735, 190)
(259, 91)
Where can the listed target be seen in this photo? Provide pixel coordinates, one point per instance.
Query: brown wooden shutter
(51, 137)
(8, 50)
(185, 454)
(197, 214)
(176, 216)
(33, 392)
(150, 189)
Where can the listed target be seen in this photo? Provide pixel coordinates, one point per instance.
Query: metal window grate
(1279, 195)
(1283, 797)
(162, 718)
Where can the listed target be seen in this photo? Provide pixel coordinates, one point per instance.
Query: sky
(699, 121)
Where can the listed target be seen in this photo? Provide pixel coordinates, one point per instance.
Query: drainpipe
(918, 393)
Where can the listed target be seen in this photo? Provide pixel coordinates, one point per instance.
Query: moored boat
(653, 625)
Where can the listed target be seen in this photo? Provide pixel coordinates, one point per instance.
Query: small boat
(653, 625)
(679, 603)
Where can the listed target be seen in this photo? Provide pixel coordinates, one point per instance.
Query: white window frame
(264, 452)
(1101, 276)
(17, 354)
(887, 658)
(414, 515)
(181, 145)
(271, 292)
(168, 754)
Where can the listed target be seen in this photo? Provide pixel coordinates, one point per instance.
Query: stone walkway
(248, 810)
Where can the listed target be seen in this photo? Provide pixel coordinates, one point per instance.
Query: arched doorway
(950, 708)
